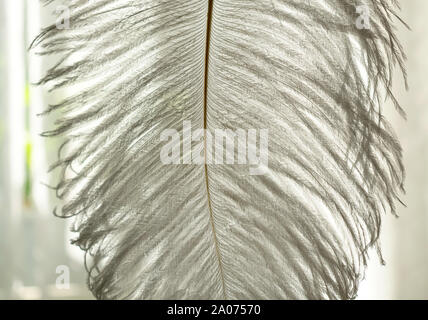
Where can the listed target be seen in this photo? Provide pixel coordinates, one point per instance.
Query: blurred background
(37, 260)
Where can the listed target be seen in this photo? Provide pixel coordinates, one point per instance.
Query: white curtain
(33, 243)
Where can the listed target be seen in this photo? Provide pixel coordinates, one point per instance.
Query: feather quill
(301, 69)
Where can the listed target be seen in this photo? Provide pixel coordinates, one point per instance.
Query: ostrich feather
(302, 70)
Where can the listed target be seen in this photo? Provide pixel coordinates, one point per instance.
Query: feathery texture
(301, 69)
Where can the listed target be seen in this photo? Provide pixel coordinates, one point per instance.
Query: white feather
(157, 231)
